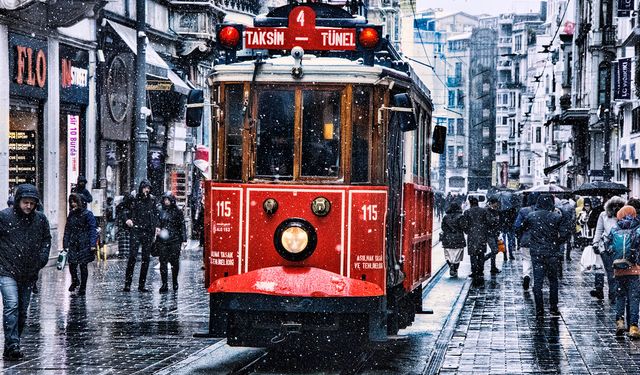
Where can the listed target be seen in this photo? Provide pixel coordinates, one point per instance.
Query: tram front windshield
(320, 134)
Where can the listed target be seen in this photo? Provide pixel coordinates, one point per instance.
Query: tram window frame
(335, 129)
(291, 140)
(233, 117)
(361, 127)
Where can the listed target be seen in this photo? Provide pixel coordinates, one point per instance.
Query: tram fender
(295, 281)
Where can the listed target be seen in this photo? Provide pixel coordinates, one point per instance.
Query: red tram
(318, 215)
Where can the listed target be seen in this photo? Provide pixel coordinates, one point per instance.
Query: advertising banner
(73, 150)
(625, 7)
(622, 83)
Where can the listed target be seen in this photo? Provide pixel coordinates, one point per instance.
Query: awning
(156, 66)
(179, 85)
(633, 38)
(557, 166)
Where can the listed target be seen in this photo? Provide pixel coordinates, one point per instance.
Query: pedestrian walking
(524, 239)
(81, 188)
(477, 220)
(584, 218)
(123, 213)
(493, 232)
(606, 221)
(25, 241)
(507, 220)
(623, 247)
(545, 226)
(144, 223)
(452, 237)
(173, 233)
(80, 236)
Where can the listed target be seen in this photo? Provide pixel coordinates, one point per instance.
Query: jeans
(145, 241)
(15, 300)
(607, 260)
(628, 288)
(549, 266)
(526, 261)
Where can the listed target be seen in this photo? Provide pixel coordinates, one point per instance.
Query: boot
(620, 327)
(451, 271)
(74, 285)
(164, 288)
(598, 293)
(525, 282)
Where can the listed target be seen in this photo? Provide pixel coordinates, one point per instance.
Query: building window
(504, 147)
(604, 83)
(529, 166)
(538, 135)
(504, 120)
(452, 99)
(460, 126)
(450, 151)
(460, 157)
(635, 117)
(517, 43)
(451, 127)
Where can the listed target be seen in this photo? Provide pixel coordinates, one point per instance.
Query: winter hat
(626, 211)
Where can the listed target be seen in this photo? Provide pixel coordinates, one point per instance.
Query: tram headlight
(295, 239)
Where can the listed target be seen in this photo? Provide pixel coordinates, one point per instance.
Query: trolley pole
(140, 132)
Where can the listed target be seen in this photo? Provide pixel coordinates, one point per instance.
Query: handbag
(590, 262)
(62, 260)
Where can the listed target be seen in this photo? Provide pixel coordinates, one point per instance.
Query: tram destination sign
(302, 32)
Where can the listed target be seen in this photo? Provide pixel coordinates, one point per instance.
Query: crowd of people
(157, 228)
(544, 229)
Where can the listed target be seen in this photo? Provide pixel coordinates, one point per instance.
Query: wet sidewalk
(497, 332)
(110, 331)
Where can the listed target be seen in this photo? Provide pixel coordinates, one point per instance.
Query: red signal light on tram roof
(369, 37)
(229, 37)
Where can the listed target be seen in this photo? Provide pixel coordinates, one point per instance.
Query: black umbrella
(600, 188)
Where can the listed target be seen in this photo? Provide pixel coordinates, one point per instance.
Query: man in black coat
(476, 220)
(523, 238)
(145, 227)
(81, 189)
(493, 231)
(546, 231)
(25, 241)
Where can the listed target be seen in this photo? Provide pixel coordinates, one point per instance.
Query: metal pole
(606, 163)
(140, 133)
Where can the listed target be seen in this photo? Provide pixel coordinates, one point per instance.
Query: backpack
(620, 245)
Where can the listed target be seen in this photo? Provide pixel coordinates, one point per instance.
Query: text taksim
(264, 37)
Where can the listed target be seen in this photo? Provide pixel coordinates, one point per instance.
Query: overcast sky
(493, 7)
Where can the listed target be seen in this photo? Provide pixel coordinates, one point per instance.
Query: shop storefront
(28, 92)
(74, 99)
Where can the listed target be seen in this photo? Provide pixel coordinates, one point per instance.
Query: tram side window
(321, 133)
(361, 135)
(233, 131)
(274, 145)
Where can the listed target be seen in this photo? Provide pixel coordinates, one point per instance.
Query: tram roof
(316, 70)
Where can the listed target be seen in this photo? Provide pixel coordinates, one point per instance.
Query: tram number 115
(223, 208)
(370, 212)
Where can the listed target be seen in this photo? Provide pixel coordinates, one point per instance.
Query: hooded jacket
(545, 228)
(80, 233)
(172, 226)
(144, 213)
(25, 240)
(607, 219)
(453, 228)
(477, 220)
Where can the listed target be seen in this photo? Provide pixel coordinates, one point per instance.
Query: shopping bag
(501, 247)
(590, 262)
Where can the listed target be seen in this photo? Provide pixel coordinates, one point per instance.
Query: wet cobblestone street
(109, 331)
(497, 332)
